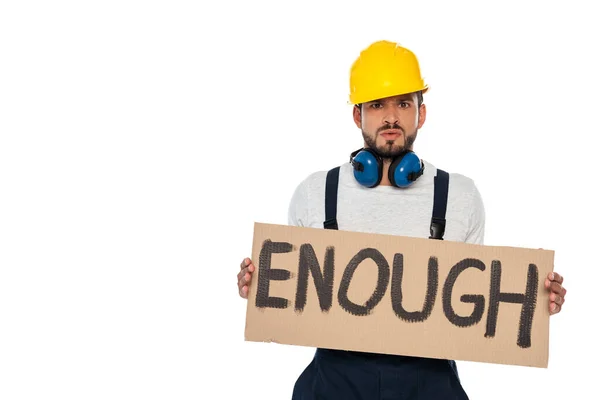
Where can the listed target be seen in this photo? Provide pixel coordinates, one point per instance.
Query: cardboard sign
(399, 295)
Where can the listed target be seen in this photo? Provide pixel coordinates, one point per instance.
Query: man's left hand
(554, 283)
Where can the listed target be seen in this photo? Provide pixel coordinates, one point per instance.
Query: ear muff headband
(368, 168)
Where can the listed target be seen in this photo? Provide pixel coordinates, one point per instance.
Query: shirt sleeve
(476, 231)
(298, 207)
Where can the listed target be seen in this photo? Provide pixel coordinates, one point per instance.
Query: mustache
(390, 126)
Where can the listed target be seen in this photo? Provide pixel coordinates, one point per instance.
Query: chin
(393, 147)
(390, 151)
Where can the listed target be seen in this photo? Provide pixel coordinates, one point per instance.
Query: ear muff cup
(405, 169)
(368, 167)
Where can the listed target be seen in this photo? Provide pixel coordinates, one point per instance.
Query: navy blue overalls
(350, 375)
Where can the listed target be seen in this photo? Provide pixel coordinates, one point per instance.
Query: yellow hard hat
(384, 69)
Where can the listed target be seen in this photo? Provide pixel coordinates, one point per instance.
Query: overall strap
(440, 201)
(331, 192)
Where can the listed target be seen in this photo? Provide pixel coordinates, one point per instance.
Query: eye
(404, 104)
(376, 105)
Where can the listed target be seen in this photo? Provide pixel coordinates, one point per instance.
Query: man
(387, 189)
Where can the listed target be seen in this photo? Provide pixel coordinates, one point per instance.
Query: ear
(422, 115)
(357, 116)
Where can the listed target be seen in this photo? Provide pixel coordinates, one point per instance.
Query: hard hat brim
(354, 100)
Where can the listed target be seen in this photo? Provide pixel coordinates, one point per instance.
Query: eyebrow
(399, 99)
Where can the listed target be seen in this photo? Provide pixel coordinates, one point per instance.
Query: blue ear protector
(368, 168)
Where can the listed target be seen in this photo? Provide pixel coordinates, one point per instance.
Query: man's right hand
(246, 270)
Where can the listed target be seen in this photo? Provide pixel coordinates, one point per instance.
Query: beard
(390, 149)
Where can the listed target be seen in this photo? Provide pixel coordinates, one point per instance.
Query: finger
(244, 292)
(556, 288)
(245, 263)
(244, 279)
(556, 298)
(241, 274)
(556, 277)
(248, 270)
(554, 308)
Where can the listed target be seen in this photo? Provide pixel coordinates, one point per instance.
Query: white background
(139, 142)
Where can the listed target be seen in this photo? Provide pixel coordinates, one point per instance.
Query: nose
(390, 117)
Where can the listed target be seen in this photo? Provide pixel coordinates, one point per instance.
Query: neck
(384, 178)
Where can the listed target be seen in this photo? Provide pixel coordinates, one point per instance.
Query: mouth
(391, 134)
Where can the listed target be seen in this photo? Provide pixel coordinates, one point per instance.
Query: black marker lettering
(528, 300)
(266, 274)
(432, 284)
(383, 278)
(323, 281)
(477, 299)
